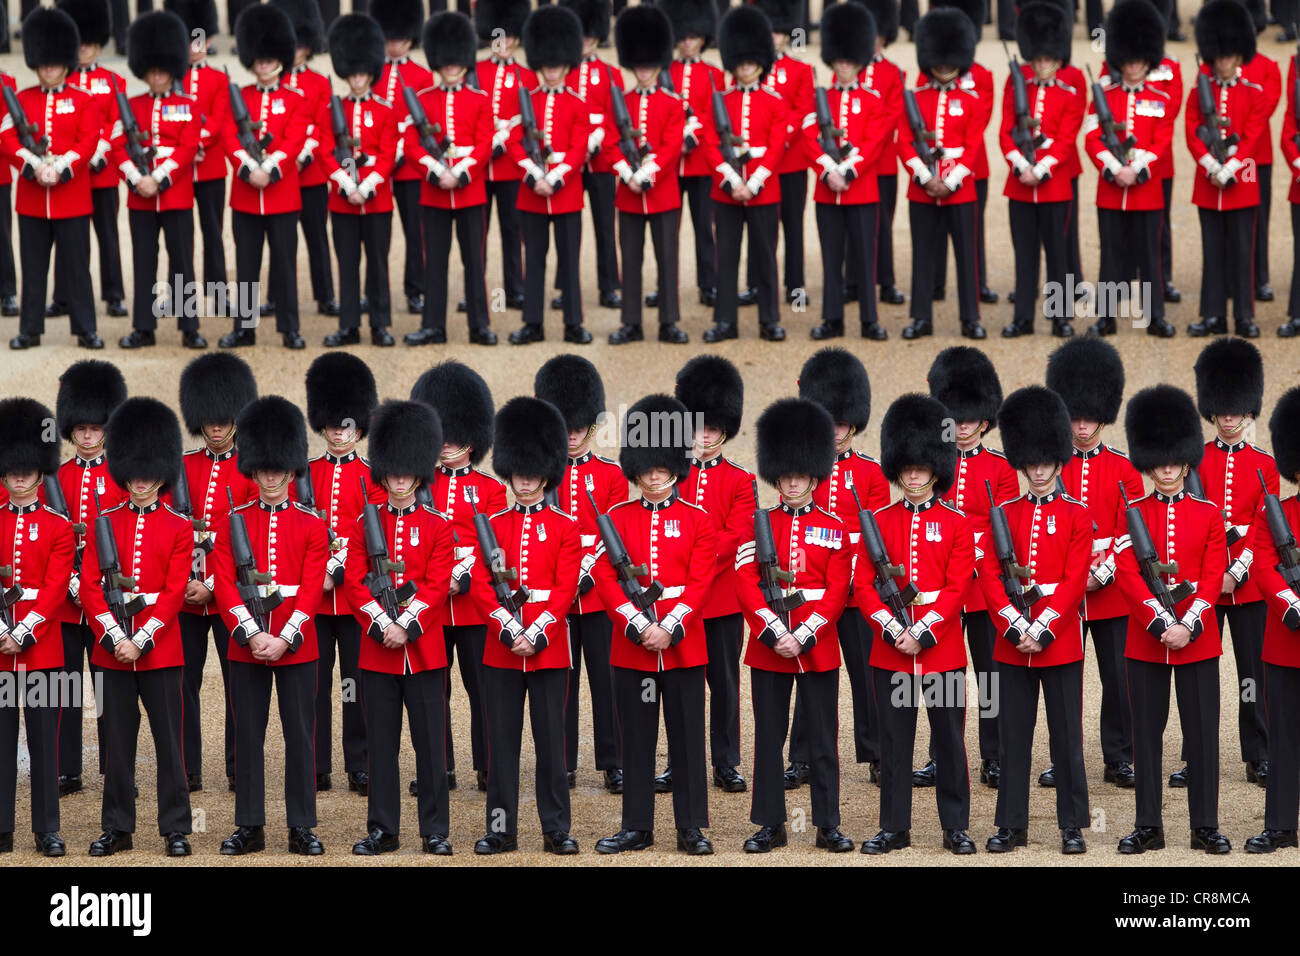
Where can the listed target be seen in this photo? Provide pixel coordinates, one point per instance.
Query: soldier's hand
(937, 188)
(1093, 583)
(46, 176)
(147, 187)
(837, 182)
(1028, 178)
(543, 188)
(8, 645)
(522, 647)
(200, 155)
(196, 592)
(259, 645)
(448, 181)
(356, 199)
(1028, 645)
(1229, 584)
(126, 652)
(329, 583)
(655, 638)
(787, 645)
(1176, 637)
(394, 636)
(1126, 177)
(635, 186)
(259, 178)
(909, 645)
(454, 587)
(741, 193)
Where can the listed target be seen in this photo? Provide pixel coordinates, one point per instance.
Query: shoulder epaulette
(689, 505)
(380, 99)
(1258, 449)
(622, 504)
(305, 510)
(608, 461)
(562, 514)
(995, 451)
(167, 507)
(491, 477)
(953, 508)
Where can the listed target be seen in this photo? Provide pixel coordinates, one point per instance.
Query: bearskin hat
(976, 11)
(1088, 374)
(1163, 428)
(945, 37)
(643, 37)
(50, 37)
(886, 14)
(848, 32)
(573, 385)
(912, 433)
(92, 17)
(966, 382)
(405, 439)
(22, 438)
(340, 388)
(271, 435)
(711, 387)
(264, 32)
(1035, 428)
(1284, 426)
(593, 15)
(745, 33)
(786, 15)
(691, 18)
(1135, 30)
(656, 433)
(89, 391)
(356, 45)
(1229, 378)
(215, 388)
(508, 16)
(143, 441)
(1225, 28)
(1043, 28)
(837, 380)
(552, 37)
(198, 15)
(463, 402)
(158, 40)
(449, 40)
(530, 440)
(399, 19)
(795, 437)
(308, 28)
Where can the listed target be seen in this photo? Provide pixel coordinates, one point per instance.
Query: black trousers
(931, 227)
(505, 690)
(590, 636)
(1130, 243)
(1293, 303)
(898, 695)
(372, 232)
(1096, 17)
(77, 643)
(941, 273)
(695, 190)
(794, 196)
(467, 641)
(1007, 19)
(1108, 639)
(724, 637)
(1265, 174)
(250, 694)
(104, 216)
(1036, 226)
(312, 217)
(194, 641)
(980, 637)
(1282, 797)
(471, 235)
(280, 233)
(855, 634)
(1073, 256)
(1224, 274)
(423, 694)
(406, 197)
(1246, 623)
(41, 716)
(504, 193)
(1167, 232)
(160, 693)
(600, 194)
(847, 233)
(8, 274)
(339, 636)
(663, 228)
(36, 239)
(759, 222)
(1197, 686)
(177, 227)
(537, 243)
(1062, 688)
(210, 198)
(820, 695)
(638, 694)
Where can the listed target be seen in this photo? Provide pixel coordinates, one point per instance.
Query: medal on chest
(65, 106)
(857, 107)
(277, 107)
(415, 537)
(99, 87)
(955, 108)
(470, 494)
(541, 533)
(33, 532)
(673, 528)
(933, 531)
(823, 537)
(99, 483)
(1051, 524)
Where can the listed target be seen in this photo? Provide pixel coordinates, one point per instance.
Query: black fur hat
(449, 40)
(886, 14)
(507, 16)
(795, 437)
(399, 19)
(215, 388)
(1088, 374)
(308, 28)
(945, 37)
(711, 387)
(1135, 30)
(745, 33)
(1035, 428)
(593, 15)
(463, 402)
(691, 18)
(1043, 28)
(643, 37)
(89, 391)
(143, 441)
(912, 433)
(1229, 378)
(158, 40)
(50, 37)
(271, 435)
(786, 15)
(264, 32)
(340, 388)
(1284, 427)
(966, 382)
(837, 380)
(197, 14)
(1225, 28)
(976, 11)
(656, 433)
(23, 444)
(573, 385)
(848, 32)
(552, 37)
(356, 45)
(92, 17)
(530, 440)
(1163, 428)
(405, 439)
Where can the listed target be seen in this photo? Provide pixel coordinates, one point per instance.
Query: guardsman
(161, 197)
(52, 198)
(361, 197)
(265, 200)
(747, 199)
(1040, 641)
(460, 489)
(527, 653)
(214, 389)
(37, 546)
(1263, 70)
(403, 660)
(648, 195)
(1164, 442)
(153, 545)
(8, 275)
(1168, 76)
(1291, 150)
(573, 385)
(288, 543)
(796, 453)
(659, 651)
(924, 660)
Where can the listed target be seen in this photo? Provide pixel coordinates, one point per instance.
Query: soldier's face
(691, 45)
(139, 488)
(89, 437)
(708, 436)
(21, 484)
(300, 55)
(199, 49)
(1168, 477)
(970, 431)
(554, 75)
(578, 438)
(504, 46)
(795, 487)
(846, 71)
(454, 456)
(396, 49)
(843, 432)
(451, 75)
(1231, 424)
(527, 488)
(217, 434)
(159, 81)
(944, 74)
(589, 45)
(266, 70)
(272, 482)
(359, 84)
(87, 53)
(1045, 67)
(51, 74)
(916, 479)
(1226, 66)
(341, 437)
(646, 76)
(400, 486)
(656, 484)
(1134, 71)
(748, 73)
(1042, 474)
(1085, 430)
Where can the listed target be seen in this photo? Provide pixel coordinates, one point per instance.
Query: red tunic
(465, 117)
(867, 123)
(6, 174)
(562, 121)
(1244, 105)
(373, 121)
(886, 78)
(502, 80)
(1281, 644)
(81, 478)
(211, 92)
(834, 495)
(315, 88)
(661, 119)
(1264, 72)
(726, 492)
(609, 488)
(1093, 477)
(1228, 477)
(794, 81)
(102, 85)
(695, 81)
(969, 495)
(70, 119)
(957, 117)
(591, 80)
(36, 548)
(172, 126)
(1148, 114)
(1290, 133)
(283, 113)
(1059, 110)
(760, 118)
(457, 494)
(397, 74)
(979, 80)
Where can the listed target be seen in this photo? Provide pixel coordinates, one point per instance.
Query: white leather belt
(149, 599)
(1241, 529)
(266, 590)
(673, 592)
(462, 553)
(812, 594)
(540, 596)
(29, 594)
(925, 597)
(756, 152)
(855, 537)
(1047, 589)
(1101, 544)
(587, 540)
